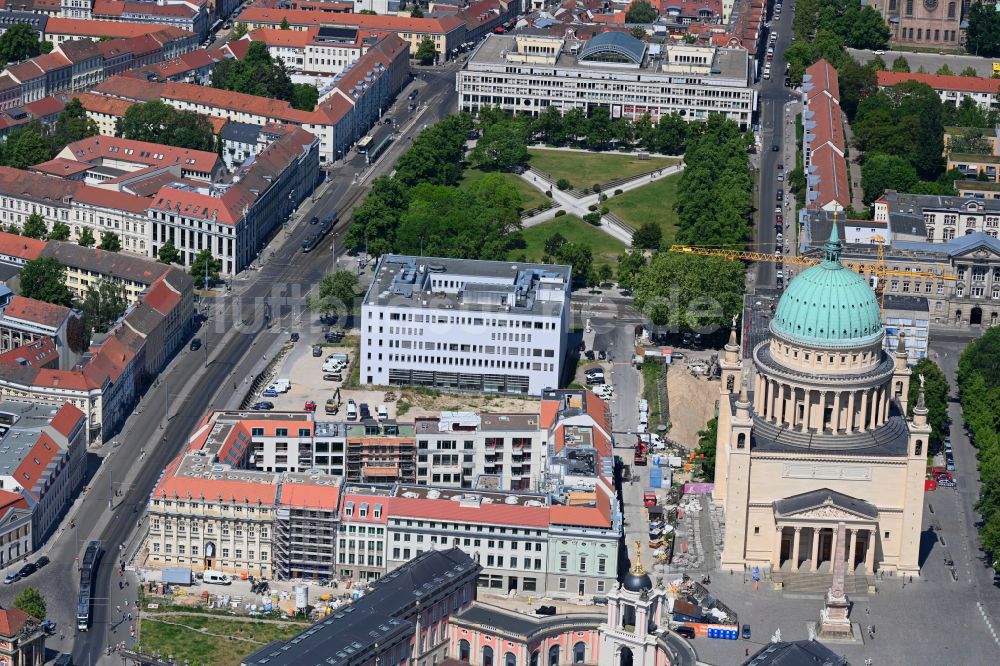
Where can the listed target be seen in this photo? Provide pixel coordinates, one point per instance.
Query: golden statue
(637, 567)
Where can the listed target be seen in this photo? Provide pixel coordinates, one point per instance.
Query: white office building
(528, 73)
(470, 325)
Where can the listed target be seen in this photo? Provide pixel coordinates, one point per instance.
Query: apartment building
(25, 320)
(59, 30)
(526, 74)
(347, 110)
(361, 547)
(306, 526)
(189, 16)
(15, 528)
(43, 460)
(952, 89)
(464, 324)
(319, 50)
(446, 32)
(506, 533)
(115, 156)
(944, 217)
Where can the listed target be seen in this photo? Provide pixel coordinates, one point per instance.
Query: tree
(158, 122)
(638, 33)
(86, 238)
(426, 52)
(581, 258)
(104, 302)
(110, 242)
(603, 274)
(971, 141)
(648, 236)
(707, 442)
(25, 146)
(868, 30)
(59, 232)
(945, 70)
(31, 602)
(72, 124)
(982, 37)
(18, 42)
(239, 32)
(44, 279)
(35, 227)
(168, 254)
(204, 263)
(257, 73)
(857, 82)
(553, 243)
(936, 391)
(969, 71)
(877, 64)
(284, 24)
(630, 265)
(416, 12)
(640, 11)
(900, 65)
(304, 96)
(336, 290)
(687, 292)
(502, 146)
(882, 172)
(598, 129)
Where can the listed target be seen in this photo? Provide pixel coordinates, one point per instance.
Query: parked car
(590, 355)
(684, 631)
(364, 411)
(746, 632)
(310, 406)
(775, 147)
(317, 351)
(10, 578)
(545, 610)
(594, 380)
(294, 337)
(42, 561)
(48, 626)
(195, 344)
(269, 393)
(602, 355)
(27, 570)
(594, 371)
(333, 377)
(263, 405)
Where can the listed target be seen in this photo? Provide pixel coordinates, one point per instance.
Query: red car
(310, 406)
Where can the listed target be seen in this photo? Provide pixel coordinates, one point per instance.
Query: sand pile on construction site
(692, 403)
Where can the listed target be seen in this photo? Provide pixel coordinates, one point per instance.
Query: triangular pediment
(825, 504)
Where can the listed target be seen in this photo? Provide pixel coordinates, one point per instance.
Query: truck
(333, 403)
(649, 498)
(640, 454)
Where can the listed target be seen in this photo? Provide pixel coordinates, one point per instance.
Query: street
(235, 342)
(774, 131)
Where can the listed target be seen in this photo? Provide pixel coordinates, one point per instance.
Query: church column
(876, 404)
(838, 405)
(870, 552)
(758, 394)
(795, 549)
(850, 411)
(789, 406)
(821, 423)
(852, 550)
(775, 396)
(776, 551)
(813, 564)
(888, 401)
(833, 547)
(806, 409)
(863, 414)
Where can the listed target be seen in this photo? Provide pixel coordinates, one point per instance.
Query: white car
(879, 52)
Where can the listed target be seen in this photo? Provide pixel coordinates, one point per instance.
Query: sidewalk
(580, 207)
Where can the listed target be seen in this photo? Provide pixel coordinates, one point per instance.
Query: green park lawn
(586, 169)
(195, 643)
(531, 197)
(650, 202)
(604, 248)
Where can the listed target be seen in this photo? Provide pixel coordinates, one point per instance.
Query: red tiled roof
(62, 167)
(105, 198)
(94, 28)
(217, 489)
(278, 37)
(970, 84)
(33, 468)
(264, 15)
(161, 296)
(21, 247)
(95, 148)
(66, 419)
(64, 379)
(831, 169)
(371, 501)
(8, 501)
(117, 8)
(486, 514)
(12, 620)
(309, 496)
(39, 312)
(38, 354)
(823, 78)
(104, 105)
(829, 123)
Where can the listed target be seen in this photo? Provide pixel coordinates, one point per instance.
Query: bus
(88, 575)
(375, 143)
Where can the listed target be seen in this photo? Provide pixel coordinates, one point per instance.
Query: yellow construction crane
(877, 268)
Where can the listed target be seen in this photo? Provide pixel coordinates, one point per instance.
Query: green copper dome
(829, 305)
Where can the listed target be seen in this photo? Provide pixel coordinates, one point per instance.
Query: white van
(215, 577)
(352, 411)
(643, 406)
(333, 366)
(643, 420)
(282, 385)
(383, 413)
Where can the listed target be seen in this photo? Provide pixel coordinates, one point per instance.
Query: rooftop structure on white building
(464, 324)
(524, 73)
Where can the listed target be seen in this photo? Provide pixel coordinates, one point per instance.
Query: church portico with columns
(813, 433)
